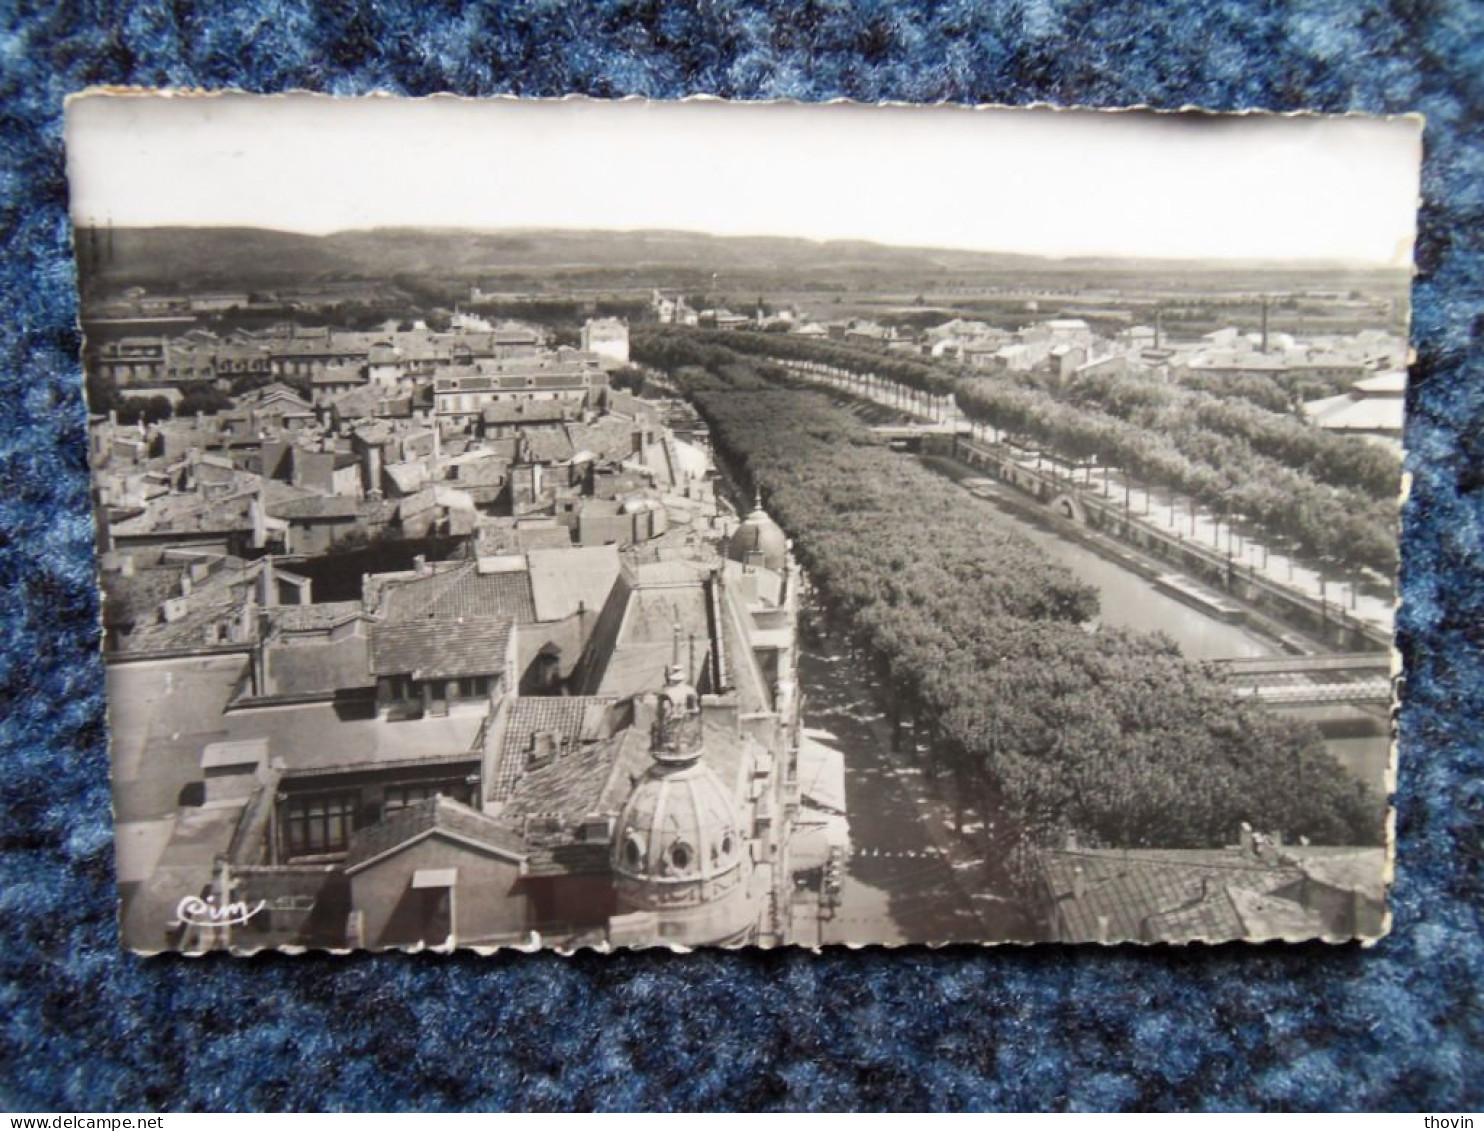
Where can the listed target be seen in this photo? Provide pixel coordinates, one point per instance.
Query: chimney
(1264, 324)
(1262, 846)
(1104, 924)
(255, 512)
(420, 565)
(268, 583)
(543, 748)
(1079, 883)
(1246, 843)
(371, 464)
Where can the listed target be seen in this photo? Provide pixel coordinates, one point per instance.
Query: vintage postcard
(611, 524)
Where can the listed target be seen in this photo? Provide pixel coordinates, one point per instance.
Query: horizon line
(1072, 257)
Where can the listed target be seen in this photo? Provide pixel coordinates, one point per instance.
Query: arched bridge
(1353, 678)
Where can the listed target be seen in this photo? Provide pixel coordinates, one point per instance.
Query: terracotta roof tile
(1157, 894)
(461, 593)
(570, 720)
(589, 778)
(441, 648)
(436, 814)
(316, 617)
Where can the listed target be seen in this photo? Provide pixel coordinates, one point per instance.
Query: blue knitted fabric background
(84, 1026)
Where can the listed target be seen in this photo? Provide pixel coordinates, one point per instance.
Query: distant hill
(256, 257)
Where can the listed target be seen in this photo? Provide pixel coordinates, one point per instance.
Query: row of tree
(203, 397)
(1261, 389)
(104, 396)
(1221, 471)
(1348, 462)
(976, 635)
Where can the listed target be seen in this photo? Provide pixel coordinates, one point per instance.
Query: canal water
(1128, 600)
(909, 877)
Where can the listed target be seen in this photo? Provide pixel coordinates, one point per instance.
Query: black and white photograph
(576, 524)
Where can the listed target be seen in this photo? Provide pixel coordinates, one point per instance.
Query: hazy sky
(1042, 181)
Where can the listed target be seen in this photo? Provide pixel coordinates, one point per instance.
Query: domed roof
(680, 822)
(759, 534)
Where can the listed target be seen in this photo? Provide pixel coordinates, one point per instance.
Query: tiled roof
(484, 471)
(590, 778)
(505, 538)
(460, 593)
(196, 629)
(549, 445)
(1272, 917)
(188, 514)
(137, 599)
(606, 439)
(302, 669)
(357, 403)
(437, 814)
(571, 720)
(1360, 870)
(273, 392)
(440, 648)
(316, 506)
(626, 404)
(314, 618)
(568, 858)
(1208, 913)
(1157, 894)
(408, 477)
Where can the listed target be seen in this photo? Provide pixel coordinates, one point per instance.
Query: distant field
(844, 277)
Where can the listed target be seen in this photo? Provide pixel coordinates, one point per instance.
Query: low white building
(608, 338)
(1373, 408)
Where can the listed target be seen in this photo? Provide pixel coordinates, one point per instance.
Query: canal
(910, 876)
(1126, 600)
(1356, 739)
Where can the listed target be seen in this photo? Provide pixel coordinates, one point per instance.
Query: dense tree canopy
(983, 640)
(1331, 497)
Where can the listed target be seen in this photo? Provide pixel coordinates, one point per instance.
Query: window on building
(403, 687)
(319, 824)
(399, 797)
(633, 852)
(473, 687)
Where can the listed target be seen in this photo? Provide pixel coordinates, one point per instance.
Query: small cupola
(759, 541)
